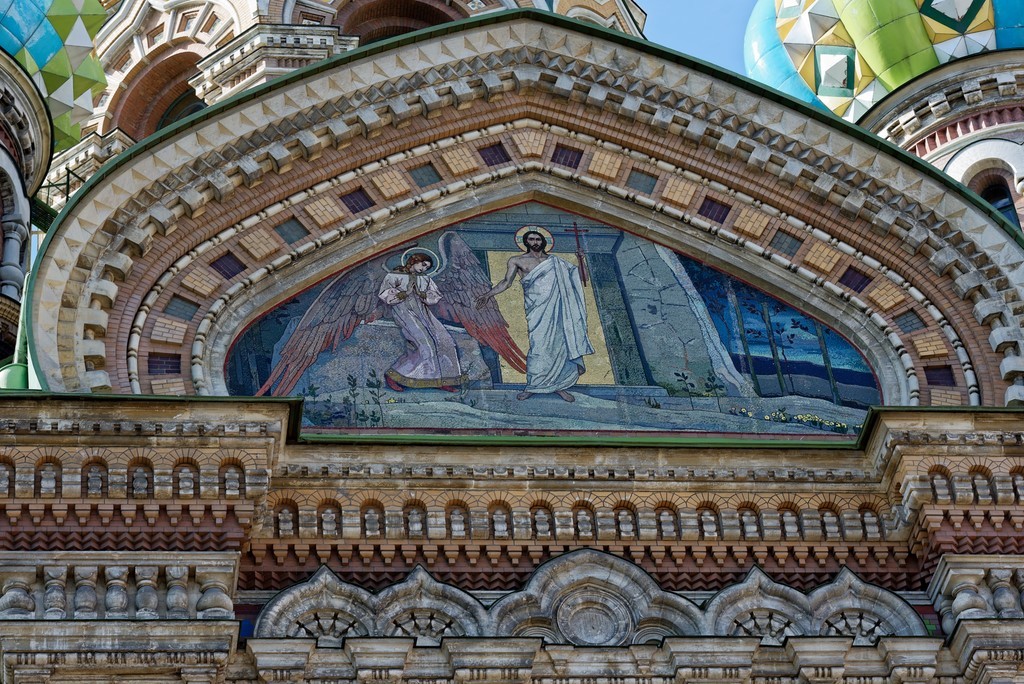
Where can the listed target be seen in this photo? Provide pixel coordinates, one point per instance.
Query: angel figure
(431, 358)
(450, 285)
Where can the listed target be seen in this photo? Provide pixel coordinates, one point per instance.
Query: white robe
(556, 319)
(431, 358)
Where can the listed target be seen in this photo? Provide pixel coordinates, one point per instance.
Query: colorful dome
(52, 39)
(845, 55)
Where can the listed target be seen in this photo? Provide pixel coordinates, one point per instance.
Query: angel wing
(462, 282)
(348, 300)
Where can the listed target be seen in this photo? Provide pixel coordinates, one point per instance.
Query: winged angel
(405, 294)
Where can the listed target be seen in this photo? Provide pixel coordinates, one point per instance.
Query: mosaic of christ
(532, 320)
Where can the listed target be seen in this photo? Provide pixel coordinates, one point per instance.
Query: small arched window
(185, 105)
(997, 193)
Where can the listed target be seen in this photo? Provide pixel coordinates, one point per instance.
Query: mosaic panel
(532, 320)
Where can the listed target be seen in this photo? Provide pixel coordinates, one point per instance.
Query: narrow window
(997, 193)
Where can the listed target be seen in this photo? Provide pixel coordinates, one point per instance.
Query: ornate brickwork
(890, 556)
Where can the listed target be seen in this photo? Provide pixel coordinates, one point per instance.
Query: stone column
(12, 271)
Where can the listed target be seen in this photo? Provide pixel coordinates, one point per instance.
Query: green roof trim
(550, 19)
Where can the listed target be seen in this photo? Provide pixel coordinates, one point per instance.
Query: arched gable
(531, 82)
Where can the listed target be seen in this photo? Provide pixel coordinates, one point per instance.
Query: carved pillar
(116, 599)
(1005, 596)
(147, 601)
(12, 271)
(177, 591)
(85, 592)
(55, 601)
(216, 584)
(16, 600)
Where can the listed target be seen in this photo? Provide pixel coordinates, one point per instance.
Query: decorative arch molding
(587, 14)
(988, 154)
(374, 20)
(326, 608)
(879, 199)
(586, 598)
(27, 133)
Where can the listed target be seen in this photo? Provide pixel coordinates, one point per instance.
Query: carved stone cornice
(734, 660)
(264, 52)
(922, 116)
(166, 475)
(989, 651)
(37, 651)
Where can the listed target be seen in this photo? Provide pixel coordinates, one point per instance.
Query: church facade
(512, 349)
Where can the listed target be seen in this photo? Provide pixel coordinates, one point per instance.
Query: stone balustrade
(978, 587)
(69, 585)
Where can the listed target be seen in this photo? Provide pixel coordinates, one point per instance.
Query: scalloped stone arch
(585, 598)
(848, 594)
(286, 614)
(564, 590)
(421, 595)
(761, 597)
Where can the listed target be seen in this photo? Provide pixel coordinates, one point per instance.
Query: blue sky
(709, 29)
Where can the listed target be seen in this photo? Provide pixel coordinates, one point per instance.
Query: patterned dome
(845, 55)
(52, 39)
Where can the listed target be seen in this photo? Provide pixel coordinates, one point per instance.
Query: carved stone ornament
(586, 598)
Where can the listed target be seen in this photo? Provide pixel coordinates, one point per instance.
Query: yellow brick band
(679, 191)
(752, 222)
(885, 295)
(605, 165)
(930, 346)
(391, 184)
(822, 258)
(324, 210)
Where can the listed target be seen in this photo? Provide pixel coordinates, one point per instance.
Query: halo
(536, 229)
(434, 261)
